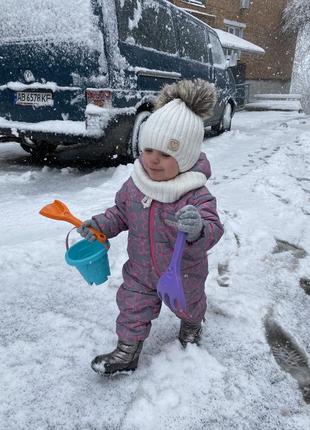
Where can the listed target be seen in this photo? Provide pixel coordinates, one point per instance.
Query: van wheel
(225, 123)
(134, 141)
(39, 153)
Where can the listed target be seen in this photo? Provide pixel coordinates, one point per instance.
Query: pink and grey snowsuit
(150, 246)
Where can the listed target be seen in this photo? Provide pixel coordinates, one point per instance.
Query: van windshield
(57, 20)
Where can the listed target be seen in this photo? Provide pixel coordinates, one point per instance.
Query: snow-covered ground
(53, 323)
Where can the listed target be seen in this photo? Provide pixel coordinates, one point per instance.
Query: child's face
(158, 165)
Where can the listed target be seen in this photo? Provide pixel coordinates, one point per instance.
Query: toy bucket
(91, 260)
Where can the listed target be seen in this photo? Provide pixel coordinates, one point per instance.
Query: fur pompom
(198, 95)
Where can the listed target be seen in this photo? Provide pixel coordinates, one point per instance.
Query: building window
(237, 31)
(235, 27)
(245, 4)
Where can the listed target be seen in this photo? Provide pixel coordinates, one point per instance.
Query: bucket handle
(105, 244)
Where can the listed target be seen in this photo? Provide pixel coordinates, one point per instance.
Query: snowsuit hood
(202, 165)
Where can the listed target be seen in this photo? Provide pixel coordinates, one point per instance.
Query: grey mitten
(189, 221)
(85, 232)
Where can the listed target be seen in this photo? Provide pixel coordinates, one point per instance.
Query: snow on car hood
(23, 20)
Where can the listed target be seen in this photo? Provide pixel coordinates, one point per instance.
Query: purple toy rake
(169, 287)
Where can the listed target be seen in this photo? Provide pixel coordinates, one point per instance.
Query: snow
(293, 105)
(97, 119)
(51, 19)
(133, 23)
(278, 96)
(19, 86)
(231, 41)
(76, 128)
(197, 3)
(155, 72)
(53, 323)
(111, 42)
(197, 12)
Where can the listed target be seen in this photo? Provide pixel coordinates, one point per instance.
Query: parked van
(83, 74)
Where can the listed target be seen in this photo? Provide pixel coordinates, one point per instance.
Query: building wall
(264, 28)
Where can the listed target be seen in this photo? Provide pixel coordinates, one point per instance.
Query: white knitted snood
(166, 191)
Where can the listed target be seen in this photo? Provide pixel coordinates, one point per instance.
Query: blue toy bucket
(91, 260)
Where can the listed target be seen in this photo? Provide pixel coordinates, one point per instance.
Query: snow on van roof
(57, 20)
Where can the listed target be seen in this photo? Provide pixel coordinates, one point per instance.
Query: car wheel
(134, 141)
(225, 123)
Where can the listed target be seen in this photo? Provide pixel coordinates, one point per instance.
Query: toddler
(165, 193)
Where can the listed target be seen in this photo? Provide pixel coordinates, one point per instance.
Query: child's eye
(148, 150)
(165, 155)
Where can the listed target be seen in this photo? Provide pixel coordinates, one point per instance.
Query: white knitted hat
(176, 127)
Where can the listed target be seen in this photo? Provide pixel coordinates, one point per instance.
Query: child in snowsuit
(165, 193)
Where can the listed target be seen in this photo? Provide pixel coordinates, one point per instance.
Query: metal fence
(242, 95)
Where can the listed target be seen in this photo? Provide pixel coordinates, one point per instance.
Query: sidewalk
(278, 102)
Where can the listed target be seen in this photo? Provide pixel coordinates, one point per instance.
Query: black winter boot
(124, 358)
(189, 333)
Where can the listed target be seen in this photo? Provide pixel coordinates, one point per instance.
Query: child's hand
(85, 232)
(189, 221)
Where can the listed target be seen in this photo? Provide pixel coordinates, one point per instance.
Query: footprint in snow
(237, 238)
(281, 199)
(224, 276)
(288, 355)
(284, 246)
(304, 283)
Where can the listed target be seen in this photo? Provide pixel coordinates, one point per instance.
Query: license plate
(32, 98)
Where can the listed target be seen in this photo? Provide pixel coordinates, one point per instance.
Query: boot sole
(131, 367)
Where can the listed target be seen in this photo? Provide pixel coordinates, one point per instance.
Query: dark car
(83, 74)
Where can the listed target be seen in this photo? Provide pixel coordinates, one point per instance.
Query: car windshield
(57, 20)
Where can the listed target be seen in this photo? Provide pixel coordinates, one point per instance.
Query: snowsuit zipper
(151, 235)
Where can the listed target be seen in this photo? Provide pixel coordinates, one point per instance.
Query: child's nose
(154, 159)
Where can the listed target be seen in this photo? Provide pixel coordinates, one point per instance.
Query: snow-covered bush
(297, 14)
(297, 17)
(301, 70)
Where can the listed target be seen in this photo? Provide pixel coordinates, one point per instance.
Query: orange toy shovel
(59, 211)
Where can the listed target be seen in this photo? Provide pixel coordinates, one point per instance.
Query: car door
(148, 43)
(220, 76)
(195, 55)
(192, 47)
